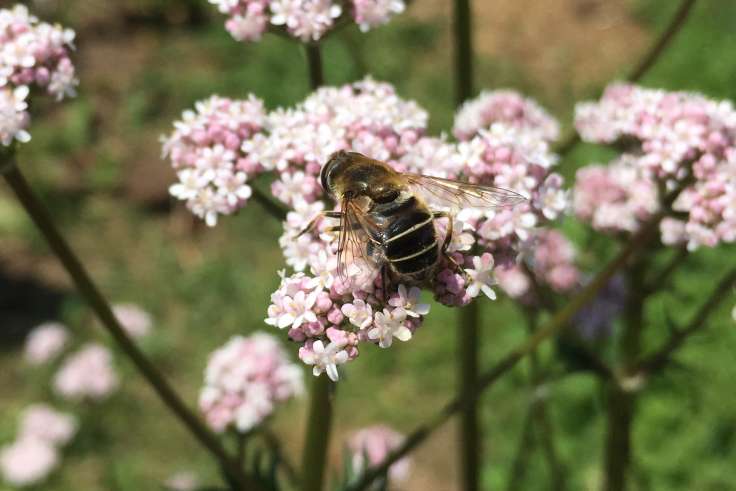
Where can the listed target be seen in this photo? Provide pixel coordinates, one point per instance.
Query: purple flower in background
(133, 319)
(595, 321)
(44, 423)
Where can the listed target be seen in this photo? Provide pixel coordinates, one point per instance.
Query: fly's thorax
(351, 174)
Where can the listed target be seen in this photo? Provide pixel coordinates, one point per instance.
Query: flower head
(87, 374)
(245, 380)
(27, 461)
(305, 20)
(44, 423)
(45, 342)
(324, 358)
(134, 320)
(371, 446)
(668, 136)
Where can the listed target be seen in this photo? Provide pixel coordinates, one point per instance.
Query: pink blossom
(45, 342)
(245, 380)
(669, 135)
(44, 423)
(14, 117)
(34, 53)
(389, 324)
(481, 276)
(205, 149)
(182, 481)
(87, 374)
(27, 461)
(372, 445)
(134, 320)
(504, 106)
(373, 13)
(324, 358)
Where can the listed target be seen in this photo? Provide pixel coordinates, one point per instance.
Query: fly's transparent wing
(355, 234)
(456, 195)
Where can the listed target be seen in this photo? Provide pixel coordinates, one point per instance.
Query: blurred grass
(92, 157)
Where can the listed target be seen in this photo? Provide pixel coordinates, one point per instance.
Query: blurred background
(96, 162)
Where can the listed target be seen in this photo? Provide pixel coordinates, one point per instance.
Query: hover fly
(387, 217)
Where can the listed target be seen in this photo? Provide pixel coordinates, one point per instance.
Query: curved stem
(554, 325)
(42, 219)
(647, 61)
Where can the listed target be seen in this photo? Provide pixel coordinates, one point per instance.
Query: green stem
(42, 219)
(463, 51)
(316, 443)
(659, 359)
(314, 64)
(621, 400)
(469, 337)
(470, 433)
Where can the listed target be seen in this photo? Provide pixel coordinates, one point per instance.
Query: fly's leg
(325, 214)
(446, 243)
(384, 284)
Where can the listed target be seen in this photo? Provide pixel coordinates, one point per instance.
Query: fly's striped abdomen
(410, 241)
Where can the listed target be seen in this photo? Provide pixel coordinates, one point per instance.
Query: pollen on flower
(245, 380)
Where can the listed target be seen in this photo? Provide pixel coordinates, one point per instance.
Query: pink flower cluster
(32, 54)
(245, 380)
(668, 135)
(370, 446)
(616, 197)
(34, 454)
(135, 321)
(330, 313)
(550, 257)
(306, 20)
(507, 107)
(87, 374)
(205, 150)
(45, 342)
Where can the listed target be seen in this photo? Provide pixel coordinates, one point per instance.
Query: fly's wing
(455, 195)
(355, 234)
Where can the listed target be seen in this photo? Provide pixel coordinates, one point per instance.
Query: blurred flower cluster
(546, 259)
(245, 380)
(665, 136)
(306, 20)
(330, 312)
(83, 373)
(35, 452)
(370, 446)
(33, 55)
